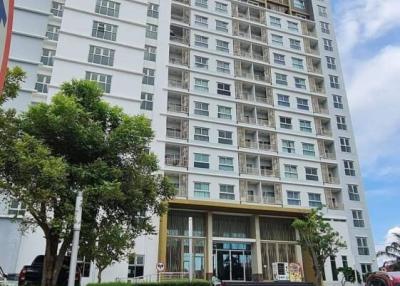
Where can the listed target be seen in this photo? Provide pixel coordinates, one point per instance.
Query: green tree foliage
(14, 78)
(392, 251)
(319, 239)
(79, 142)
(348, 275)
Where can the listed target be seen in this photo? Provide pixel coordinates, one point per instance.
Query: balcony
(311, 47)
(260, 193)
(320, 105)
(314, 65)
(308, 29)
(176, 156)
(323, 127)
(281, 6)
(252, 71)
(334, 200)
(330, 174)
(247, 31)
(251, 51)
(178, 103)
(255, 115)
(179, 56)
(177, 128)
(178, 79)
(179, 35)
(180, 182)
(317, 85)
(258, 166)
(327, 149)
(180, 14)
(248, 13)
(185, 2)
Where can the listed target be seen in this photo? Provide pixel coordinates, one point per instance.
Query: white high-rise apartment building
(252, 125)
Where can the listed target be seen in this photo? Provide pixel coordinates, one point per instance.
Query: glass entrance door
(232, 261)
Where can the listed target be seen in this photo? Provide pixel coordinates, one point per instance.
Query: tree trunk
(99, 275)
(60, 260)
(49, 262)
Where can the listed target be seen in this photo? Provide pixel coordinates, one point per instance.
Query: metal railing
(159, 277)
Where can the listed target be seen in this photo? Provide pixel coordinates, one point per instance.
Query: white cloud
(389, 238)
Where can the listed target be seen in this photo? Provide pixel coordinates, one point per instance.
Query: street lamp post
(190, 249)
(75, 240)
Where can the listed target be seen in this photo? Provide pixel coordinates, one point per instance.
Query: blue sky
(368, 33)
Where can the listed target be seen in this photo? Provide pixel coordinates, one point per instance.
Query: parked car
(383, 279)
(8, 279)
(31, 275)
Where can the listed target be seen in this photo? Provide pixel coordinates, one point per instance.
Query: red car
(384, 279)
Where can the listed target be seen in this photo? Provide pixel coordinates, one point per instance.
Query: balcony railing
(324, 131)
(176, 83)
(178, 108)
(248, 120)
(176, 60)
(328, 155)
(186, 2)
(331, 180)
(175, 160)
(334, 205)
(174, 133)
(267, 173)
(249, 170)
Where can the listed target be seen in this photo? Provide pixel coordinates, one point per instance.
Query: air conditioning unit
(280, 271)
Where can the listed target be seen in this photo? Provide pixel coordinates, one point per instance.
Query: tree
(79, 142)
(12, 84)
(319, 239)
(348, 275)
(392, 251)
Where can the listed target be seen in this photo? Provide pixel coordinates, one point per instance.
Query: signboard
(160, 267)
(6, 21)
(295, 272)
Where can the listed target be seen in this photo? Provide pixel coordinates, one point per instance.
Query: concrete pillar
(256, 259)
(209, 248)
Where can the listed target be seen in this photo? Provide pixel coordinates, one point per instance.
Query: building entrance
(232, 261)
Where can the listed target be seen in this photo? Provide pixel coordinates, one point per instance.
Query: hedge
(195, 282)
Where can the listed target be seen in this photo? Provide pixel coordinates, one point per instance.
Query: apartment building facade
(249, 109)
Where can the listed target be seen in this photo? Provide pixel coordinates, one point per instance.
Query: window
(148, 76)
(201, 108)
(291, 171)
(226, 192)
(107, 7)
(349, 168)
(201, 85)
(226, 164)
(150, 53)
(308, 149)
(135, 265)
(293, 198)
(221, 26)
(283, 100)
(354, 195)
(152, 10)
(57, 9)
(201, 134)
(328, 45)
(362, 245)
(201, 41)
(42, 83)
(275, 22)
(293, 26)
(281, 79)
(201, 190)
(104, 31)
(223, 89)
(222, 46)
(302, 104)
(334, 268)
(331, 63)
(147, 101)
(277, 40)
(47, 58)
(358, 219)
(201, 161)
(305, 126)
(103, 80)
(345, 262)
(15, 208)
(341, 122)
(334, 81)
(325, 27)
(151, 31)
(288, 146)
(225, 137)
(52, 32)
(84, 266)
(345, 144)
(338, 101)
(201, 3)
(101, 56)
(297, 63)
(295, 44)
(221, 7)
(201, 21)
(299, 4)
(314, 200)
(223, 67)
(300, 82)
(224, 112)
(201, 62)
(279, 59)
(366, 269)
(285, 122)
(311, 174)
(322, 11)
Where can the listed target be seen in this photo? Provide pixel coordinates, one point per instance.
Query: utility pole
(190, 249)
(75, 240)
